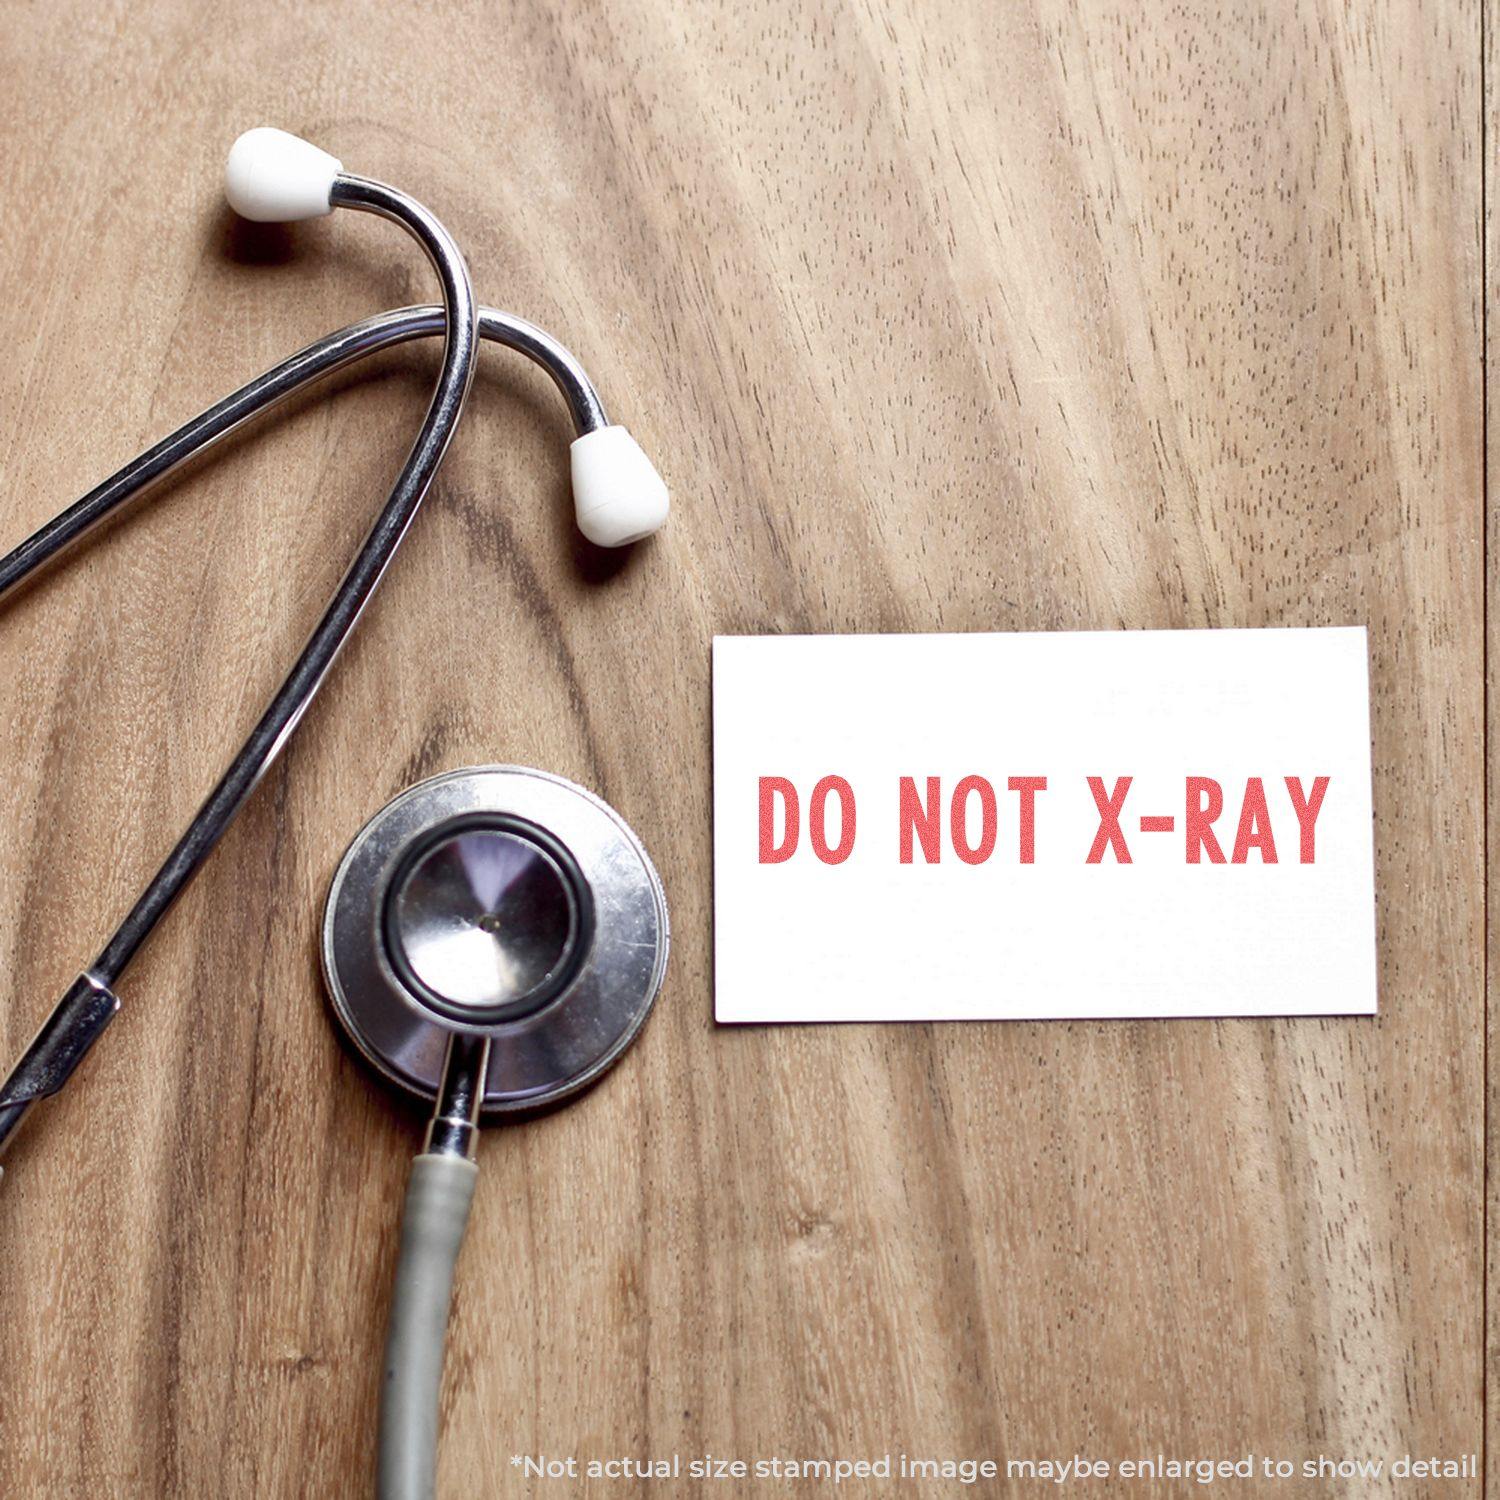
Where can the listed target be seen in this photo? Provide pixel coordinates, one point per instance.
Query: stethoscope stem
(454, 1127)
(60, 1045)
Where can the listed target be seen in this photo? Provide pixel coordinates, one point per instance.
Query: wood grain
(1492, 725)
(939, 317)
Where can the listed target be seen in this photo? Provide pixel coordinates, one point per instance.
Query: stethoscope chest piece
(498, 902)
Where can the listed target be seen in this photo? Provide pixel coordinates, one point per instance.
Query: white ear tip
(276, 178)
(617, 492)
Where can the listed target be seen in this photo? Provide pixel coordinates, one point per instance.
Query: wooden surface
(938, 317)
(1491, 120)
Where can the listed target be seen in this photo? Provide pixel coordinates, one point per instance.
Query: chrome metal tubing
(277, 724)
(454, 1127)
(280, 720)
(335, 352)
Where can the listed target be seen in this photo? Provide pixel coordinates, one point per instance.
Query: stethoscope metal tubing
(291, 701)
(453, 1129)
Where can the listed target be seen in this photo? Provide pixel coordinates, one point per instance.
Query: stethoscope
(494, 938)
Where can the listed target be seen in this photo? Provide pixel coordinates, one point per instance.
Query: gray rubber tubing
(432, 1228)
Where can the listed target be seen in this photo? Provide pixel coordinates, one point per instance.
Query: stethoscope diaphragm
(501, 902)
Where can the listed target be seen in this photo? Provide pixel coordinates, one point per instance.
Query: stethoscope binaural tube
(90, 1003)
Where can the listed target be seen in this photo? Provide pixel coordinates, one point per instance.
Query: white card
(929, 875)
